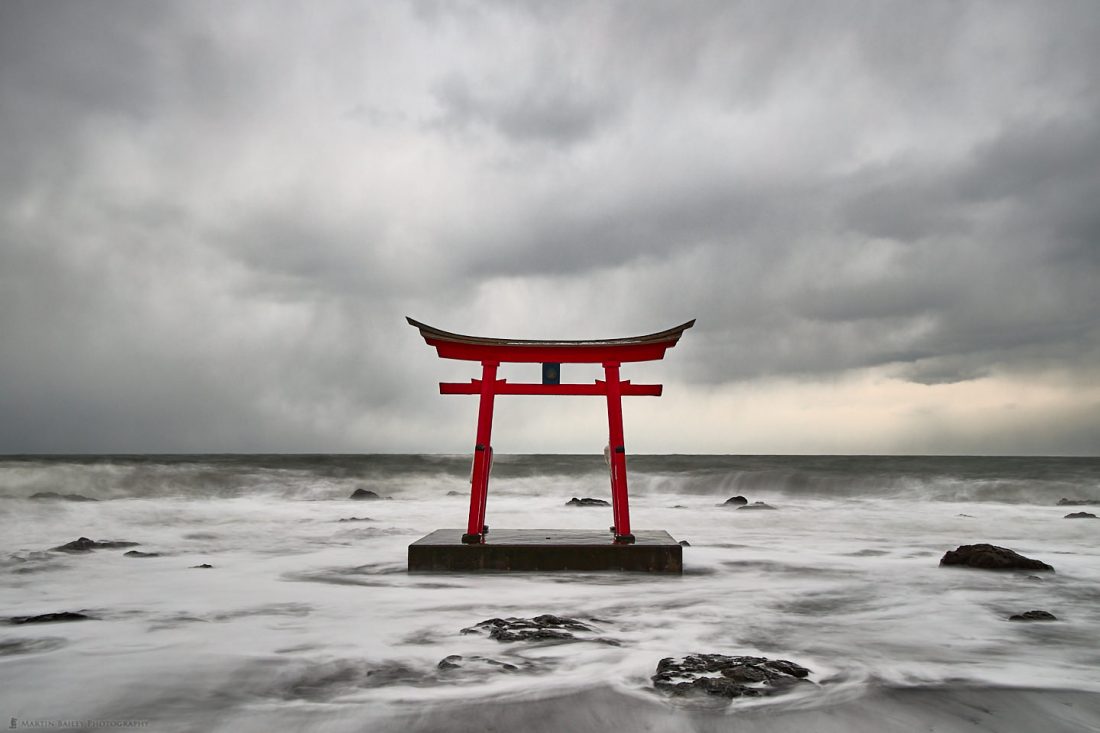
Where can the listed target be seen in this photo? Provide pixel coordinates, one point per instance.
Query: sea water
(308, 622)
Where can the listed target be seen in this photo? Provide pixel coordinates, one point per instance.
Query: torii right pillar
(620, 503)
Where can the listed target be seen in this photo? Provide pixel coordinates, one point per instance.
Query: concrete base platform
(653, 551)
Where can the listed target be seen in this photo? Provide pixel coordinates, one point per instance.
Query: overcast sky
(215, 216)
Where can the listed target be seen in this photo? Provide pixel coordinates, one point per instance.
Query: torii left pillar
(483, 456)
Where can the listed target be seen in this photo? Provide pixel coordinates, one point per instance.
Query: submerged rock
(324, 680)
(991, 557)
(1076, 502)
(725, 676)
(1033, 616)
(455, 493)
(138, 553)
(364, 495)
(83, 544)
(355, 519)
(50, 618)
(540, 628)
(586, 502)
(457, 661)
(1080, 515)
(63, 497)
(756, 505)
(11, 647)
(204, 565)
(736, 501)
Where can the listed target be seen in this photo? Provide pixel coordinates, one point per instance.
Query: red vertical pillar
(483, 456)
(620, 505)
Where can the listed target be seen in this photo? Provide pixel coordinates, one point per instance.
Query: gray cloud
(213, 219)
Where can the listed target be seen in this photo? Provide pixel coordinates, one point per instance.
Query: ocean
(306, 622)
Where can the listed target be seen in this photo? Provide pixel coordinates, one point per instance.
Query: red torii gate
(491, 352)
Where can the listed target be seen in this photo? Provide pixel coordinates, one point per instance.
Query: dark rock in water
(1034, 616)
(685, 543)
(355, 519)
(455, 493)
(756, 505)
(724, 676)
(586, 502)
(137, 553)
(968, 516)
(457, 661)
(1080, 515)
(49, 618)
(11, 647)
(363, 495)
(84, 544)
(678, 506)
(736, 500)
(539, 628)
(323, 681)
(1076, 502)
(204, 565)
(991, 557)
(64, 497)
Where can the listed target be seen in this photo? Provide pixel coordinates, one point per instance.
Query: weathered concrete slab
(519, 550)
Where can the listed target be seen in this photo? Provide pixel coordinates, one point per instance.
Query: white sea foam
(302, 611)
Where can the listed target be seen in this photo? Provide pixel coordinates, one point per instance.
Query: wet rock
(1033, 616)
(685, 543)
(991, 557)
(719, 675)
(968, 516)
(364, 495)
(84, 544)
(586, 502)
(756, 505)
(50, 618)
(11, 647)
(540, 628)
(454, 493)
(204, 565)
(457, 661)
(355, 519)
(63, 497)
(736, 501)
(678, 506)
(1080, 515)
(138, 553)
(1076, 502)
(323, 681)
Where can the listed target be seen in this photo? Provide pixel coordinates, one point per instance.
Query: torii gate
(491, 352)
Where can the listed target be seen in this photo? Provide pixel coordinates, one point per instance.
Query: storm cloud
(214, 218)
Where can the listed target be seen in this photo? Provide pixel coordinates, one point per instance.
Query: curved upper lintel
(478, 348)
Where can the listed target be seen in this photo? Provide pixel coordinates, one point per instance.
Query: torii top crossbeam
(491, 352)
